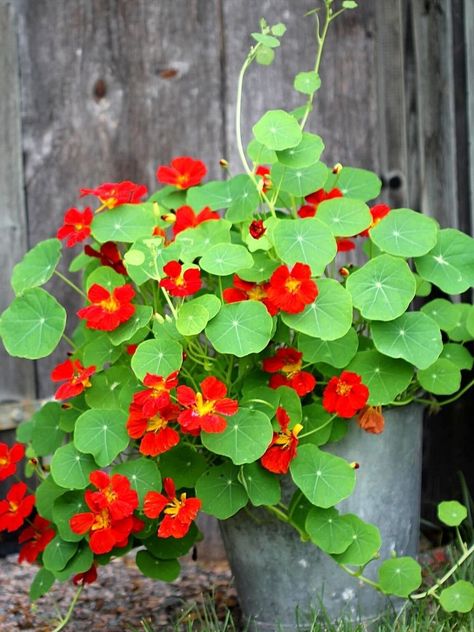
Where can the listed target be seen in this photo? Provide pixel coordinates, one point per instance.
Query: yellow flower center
(285, 437)
(292, 368)
(110, 202)
(292, 285)
(256, 293)
(343, 388)
(179, 281)
(174, 507)
(203, 408)
(182, 181)
(4, 460)
(156, 423)
(110, 494)
(78, 226)
(13, 506)
(102, 521)
(110, 304)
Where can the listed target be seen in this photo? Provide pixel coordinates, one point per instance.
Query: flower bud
(337, 168)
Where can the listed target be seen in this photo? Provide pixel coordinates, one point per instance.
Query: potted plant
(225, 361)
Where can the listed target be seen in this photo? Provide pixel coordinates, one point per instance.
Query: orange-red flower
(378, 212)
(35, 539)
(75, 378)
(112, 194)
(282, 449)
(155, 433)
(114, 493)
(291, 290)
(204, 410)
(179, 283)
(313, 200)
(286, 365)
(108, 310)
(150, 400)
(109, 255)
(76, 226)
(183, 172)
(246, 290)
(344, 244)
(187, 218)
(370, 419)
(264, 173)
(257, 229)
(345, 395)
(89, 577)
(15, 508)
(179, 512)
(9, 457)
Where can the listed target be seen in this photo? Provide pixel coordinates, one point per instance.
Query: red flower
(289, 362)
(257, 229)
(15, 508)
(108, 309)
(112, 194)
(114, 493)
(89, 577)
(157, 437)
(245, 291)
(179, 283)
(109, 255)
(75, 376)
(314, 199)
(9, 457)
(378, 212)
(371, 420)
(157, 395)
(345, 395)
(183, 172)
(35, 539)
(130, 349)
(204, 410)
(179, 512)
(291, 290)
(344, 245)
(187, 218)
(264, 172)
(76, 226)
(282, 449)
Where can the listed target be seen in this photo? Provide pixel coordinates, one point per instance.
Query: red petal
(213, 389)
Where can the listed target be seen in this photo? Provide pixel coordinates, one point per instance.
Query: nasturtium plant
(226, 339)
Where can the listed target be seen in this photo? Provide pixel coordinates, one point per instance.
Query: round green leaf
(171, 548)
(150, 566)
(183, 464)
(443, 312)
(307, 82)
(240, 328)
(383, 288)
(262, 486)
(355, 183)
(329, 317)
(159, 357)
(299, 181)
(196, 241)
(423, 288)
(127, 222)
(42, 582)
(458, 355)
(45, 495)
(191, 319)
(305, 154)
(102, 433)
(32, 326)
(70, 468)
(225, 259)
(458, 598)
(58, 553)
(323, 478)
(400, 576)
(316, 424)
(245, 199)
(414, 336)
(215, 195)
(451, 513)
(37, 266)
(80, 563)
(266, 40)
(264, 56)
(344, 216)
(450, 264)
(262, 269)
(277, 130)
(111, 389)
(100, 351)
(328, 530)
(384, 377)
(106, 277)
(460, 332)
(209, 301)
(246, 437)
(64, 508)
(366, 542)
(140, 319)
(220, 491)
(147, 256)
(143, 474)
(405, 233)
(305, 241)
(259, 154)
(338, 353)
(47, 435)
(441, 378)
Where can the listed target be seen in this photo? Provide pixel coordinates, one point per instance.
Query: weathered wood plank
(469, 51)
(17, 378)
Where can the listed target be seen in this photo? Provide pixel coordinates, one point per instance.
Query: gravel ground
(118, 601)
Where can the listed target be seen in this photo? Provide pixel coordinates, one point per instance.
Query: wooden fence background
(104, 90)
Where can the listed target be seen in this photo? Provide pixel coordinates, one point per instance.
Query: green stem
(440, 582)
(70, 342)
(63, 623)
(451, 399)
(359, 576)
(306, 434)
(284, 518)
(70, 283)
(460, 540)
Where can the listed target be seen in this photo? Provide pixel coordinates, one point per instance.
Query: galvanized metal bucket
(281, 580)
